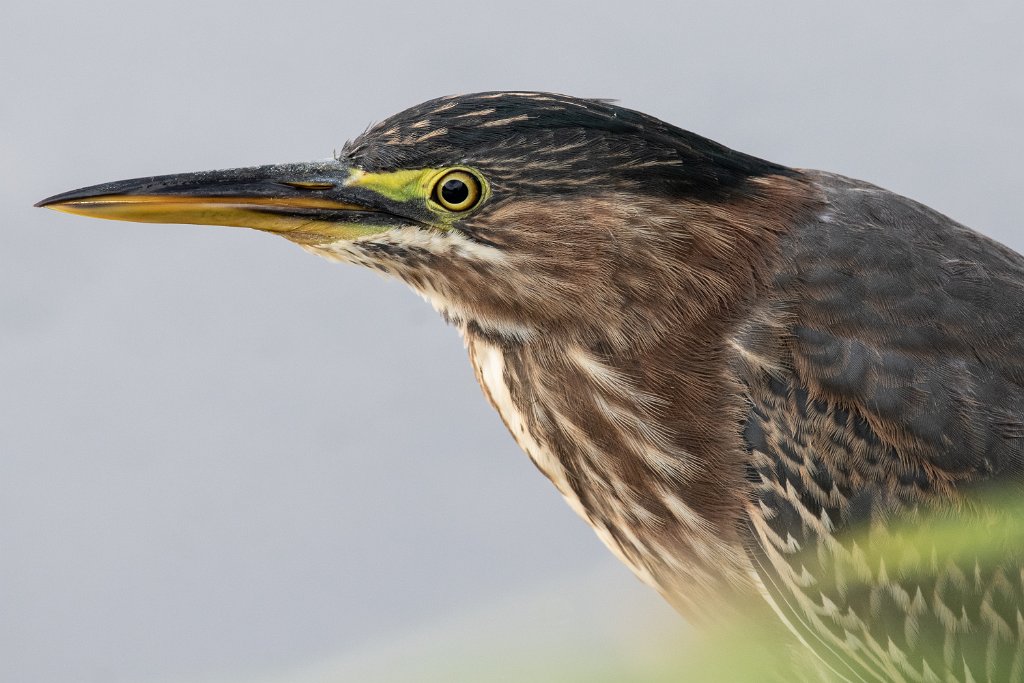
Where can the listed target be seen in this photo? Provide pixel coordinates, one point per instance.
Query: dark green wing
(893, 415)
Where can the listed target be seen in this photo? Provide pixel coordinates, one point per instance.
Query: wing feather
(893, 403)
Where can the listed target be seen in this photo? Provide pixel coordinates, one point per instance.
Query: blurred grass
(546, 637)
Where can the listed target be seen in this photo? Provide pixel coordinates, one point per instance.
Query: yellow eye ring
(457, 190)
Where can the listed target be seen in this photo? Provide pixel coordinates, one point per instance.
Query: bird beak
(308, 203)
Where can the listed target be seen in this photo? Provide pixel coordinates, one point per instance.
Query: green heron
(728, 367)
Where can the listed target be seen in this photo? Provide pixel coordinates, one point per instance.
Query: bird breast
(591, 446)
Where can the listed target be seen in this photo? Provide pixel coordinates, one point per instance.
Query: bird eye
(457, 191)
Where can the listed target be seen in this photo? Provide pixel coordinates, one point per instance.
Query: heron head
(519, 213)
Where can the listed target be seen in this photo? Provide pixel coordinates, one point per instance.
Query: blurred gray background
(222, 459)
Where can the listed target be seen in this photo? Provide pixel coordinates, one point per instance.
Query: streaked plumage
(733, 370)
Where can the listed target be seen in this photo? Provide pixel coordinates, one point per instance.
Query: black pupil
(455, 192)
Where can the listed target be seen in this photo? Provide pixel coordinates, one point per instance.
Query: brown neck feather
(634, 398)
